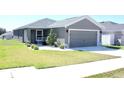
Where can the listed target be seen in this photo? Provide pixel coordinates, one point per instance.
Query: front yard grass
(119, 73)
(15, 54)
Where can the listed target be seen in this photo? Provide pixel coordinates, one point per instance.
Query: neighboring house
(73, 32)
(7, 35)
(113, 34)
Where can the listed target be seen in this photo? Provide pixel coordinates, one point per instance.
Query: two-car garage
(84, 33)
(83, 38)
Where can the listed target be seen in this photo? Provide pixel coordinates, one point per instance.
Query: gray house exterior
(113, 34)
(80, 31)
(29, 33)
(7, 35)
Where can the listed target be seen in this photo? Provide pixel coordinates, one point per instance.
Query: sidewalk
(72, 71)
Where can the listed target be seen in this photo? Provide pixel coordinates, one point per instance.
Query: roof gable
(70, 21)
(49, 23)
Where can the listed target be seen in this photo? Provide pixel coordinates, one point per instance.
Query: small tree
(51, 38)
(2, 31)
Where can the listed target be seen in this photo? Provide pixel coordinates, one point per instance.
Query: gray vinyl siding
(33, 36)
(117, 36)
(84, 24)
(19, 34)
(83, 38)
(66, 39)
(122, 40)
(61, 33)
(15, 33)
(29, 35)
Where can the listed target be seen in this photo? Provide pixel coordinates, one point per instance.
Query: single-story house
(113, 33)
(72, 32)
(7, 35)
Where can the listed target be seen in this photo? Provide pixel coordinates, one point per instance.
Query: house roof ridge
(48, 22)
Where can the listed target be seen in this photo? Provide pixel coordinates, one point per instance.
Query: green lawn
(119, 73)
(16, 54)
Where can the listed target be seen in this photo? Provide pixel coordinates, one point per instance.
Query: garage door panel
(83, 38)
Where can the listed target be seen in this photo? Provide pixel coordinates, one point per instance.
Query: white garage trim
(68, 38)
(98, 34)
(98, 38)
(83, 30)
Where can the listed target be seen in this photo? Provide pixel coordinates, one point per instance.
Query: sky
(16, 13)
(10, 22)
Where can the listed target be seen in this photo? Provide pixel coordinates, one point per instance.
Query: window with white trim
(39, 35)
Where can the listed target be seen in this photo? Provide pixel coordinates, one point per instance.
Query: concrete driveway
(102, 50)
(94, 48)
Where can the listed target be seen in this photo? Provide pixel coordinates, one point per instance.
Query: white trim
(42, 34)
(83, 30)
(26, 37)
(98, 38)
(88, 18)
(36, 34)
(69, 38)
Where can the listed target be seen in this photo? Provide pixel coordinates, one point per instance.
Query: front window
(39, 35)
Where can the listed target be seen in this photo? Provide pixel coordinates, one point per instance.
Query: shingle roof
(49, 23)
(65, 22)
(111, 26)
(43, 23)
(70, 21)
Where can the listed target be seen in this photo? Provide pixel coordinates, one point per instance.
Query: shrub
(62, 46)
(51, 39)
(28, 45)
(32, 46)
(57, 43)
(36, 47)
